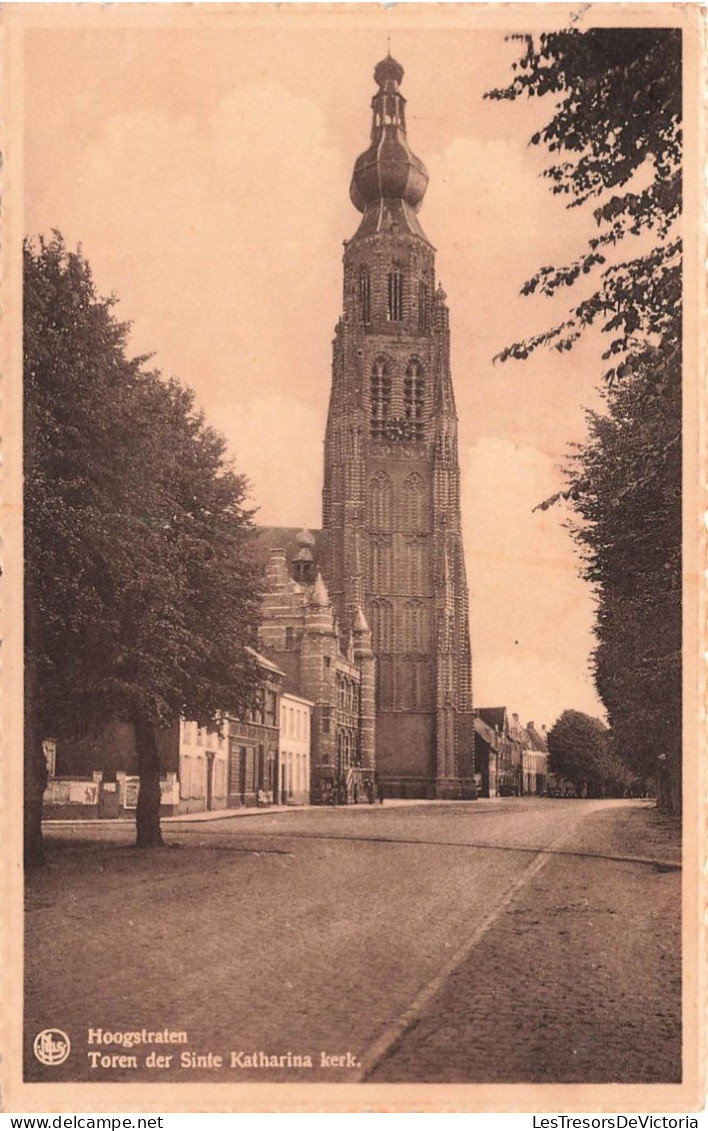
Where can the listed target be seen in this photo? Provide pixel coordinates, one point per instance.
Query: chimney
(277, 570)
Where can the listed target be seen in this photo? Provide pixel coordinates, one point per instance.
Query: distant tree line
(140, 593)
(615, 133)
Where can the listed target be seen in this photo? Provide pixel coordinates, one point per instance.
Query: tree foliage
(579, 751)
(626, 482)
(616, 126)
(615, 136)
(140, 593)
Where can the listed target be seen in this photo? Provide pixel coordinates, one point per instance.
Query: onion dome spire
(389, 181)
(305, 538)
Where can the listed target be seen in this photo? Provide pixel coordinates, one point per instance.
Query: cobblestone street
(519, 940)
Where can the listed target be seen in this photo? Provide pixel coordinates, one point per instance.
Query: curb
(228, 814)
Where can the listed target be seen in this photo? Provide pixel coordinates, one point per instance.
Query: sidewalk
(250, 811)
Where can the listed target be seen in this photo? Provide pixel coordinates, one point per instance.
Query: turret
(303, 563)
(364, 657)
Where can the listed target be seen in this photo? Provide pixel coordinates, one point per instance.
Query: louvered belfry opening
(414, 397)
(395, 294)
(380, 397)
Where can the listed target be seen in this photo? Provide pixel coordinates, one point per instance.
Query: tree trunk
(35, 774)
(147, 814)
(668, 798)
(35, 785)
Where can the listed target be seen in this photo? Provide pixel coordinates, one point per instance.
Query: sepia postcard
(353, 560)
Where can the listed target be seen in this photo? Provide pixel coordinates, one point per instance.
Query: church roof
(285, 538)
(493, 716)
(264, 662)
(485, 732)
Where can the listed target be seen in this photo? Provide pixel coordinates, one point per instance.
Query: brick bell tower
(391, 498)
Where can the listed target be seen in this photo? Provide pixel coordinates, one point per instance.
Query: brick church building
(334, 670)
(390, 551)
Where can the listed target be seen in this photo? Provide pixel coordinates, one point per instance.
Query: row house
(243, 762)
(535, 761)
(293, 787)
(486, 757)
(237, 764)
(512, 759)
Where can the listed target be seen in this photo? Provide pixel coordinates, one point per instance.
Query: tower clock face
(398, 429)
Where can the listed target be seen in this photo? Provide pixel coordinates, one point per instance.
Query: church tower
(391, 498)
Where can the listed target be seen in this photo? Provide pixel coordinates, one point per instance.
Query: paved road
(445, 942)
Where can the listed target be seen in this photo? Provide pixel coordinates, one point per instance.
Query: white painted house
(203, 767)
(294, 750)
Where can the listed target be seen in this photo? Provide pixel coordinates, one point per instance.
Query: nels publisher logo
(51, 1047)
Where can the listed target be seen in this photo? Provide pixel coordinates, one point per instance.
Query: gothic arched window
(424, 302)
(414, 502)
(382, 626)
(414, 627)
(414, 396)
(381, 565)
(414, 556)
(364, 294)
(380, 396)
(395, 294)
(384, 683)
(416, 686)
(380, 501)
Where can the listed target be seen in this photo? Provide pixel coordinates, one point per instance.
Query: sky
(204, 170)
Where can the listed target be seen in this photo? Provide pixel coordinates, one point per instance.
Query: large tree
(626, 485)
(579, 751)
(616, 131)
(140, 592)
